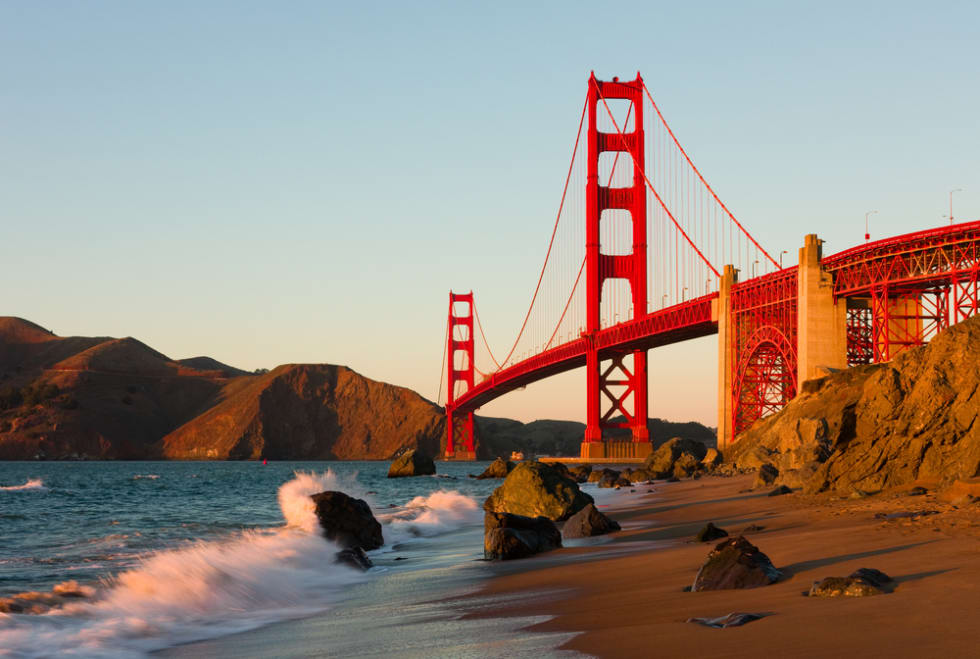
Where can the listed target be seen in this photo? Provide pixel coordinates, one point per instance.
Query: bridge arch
(765, 376)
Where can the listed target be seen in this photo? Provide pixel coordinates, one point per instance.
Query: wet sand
(634, 604)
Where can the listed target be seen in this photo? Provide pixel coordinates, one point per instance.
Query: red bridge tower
(459, 425)
(618, 382)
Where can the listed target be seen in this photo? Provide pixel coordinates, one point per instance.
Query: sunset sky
(304, 182)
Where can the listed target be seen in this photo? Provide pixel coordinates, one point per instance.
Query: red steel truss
(764, 322)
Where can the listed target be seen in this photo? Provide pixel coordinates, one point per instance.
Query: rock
(686, 465)
(499, 468)
(733, 564)
(731, 620)
(411, 463)
(712, 458)
(881, 426)
(640, 476)
(581, 473)
(534, 489)
(861, 583)
(607, 478)
(347, 521)
(963, 491)
(508, 536)
(710, 532)
(767, 476)
(588, 522)
(782, 489)
(661, 461)
(355, 558)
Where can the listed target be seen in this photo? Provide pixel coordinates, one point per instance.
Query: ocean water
(173, 554)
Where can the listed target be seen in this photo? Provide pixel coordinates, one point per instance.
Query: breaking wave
(31, 484)
(201, 590)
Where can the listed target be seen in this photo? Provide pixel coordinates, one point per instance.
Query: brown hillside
(99, 398)
(879, 426)
(310, 411)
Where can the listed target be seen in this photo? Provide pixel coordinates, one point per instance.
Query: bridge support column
(461, 442)
(722, 313)
(821, 320)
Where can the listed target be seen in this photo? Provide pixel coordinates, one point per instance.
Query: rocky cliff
(310, 412)
(85, 397)
(879, 426)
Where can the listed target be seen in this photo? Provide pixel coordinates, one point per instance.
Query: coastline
(634, 604)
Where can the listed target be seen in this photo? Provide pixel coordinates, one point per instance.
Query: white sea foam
(198, 591)
(31, 484)
(294, 496)
(440, 512)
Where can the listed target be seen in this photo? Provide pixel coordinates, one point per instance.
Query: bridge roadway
(917, 261)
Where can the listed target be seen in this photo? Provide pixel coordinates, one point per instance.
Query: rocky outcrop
(878, 426)
(588, 522)
(861, 583)
(354, 557)
(677, 457)
(347, 521)
(311, 412)
(508, 536)
(735, 563)
(411, 463)
(499, 468)
(535, 489)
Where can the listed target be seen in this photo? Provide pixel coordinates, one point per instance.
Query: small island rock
(499, 468)
(411, 463)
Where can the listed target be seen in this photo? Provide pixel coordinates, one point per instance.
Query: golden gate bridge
(643, 253)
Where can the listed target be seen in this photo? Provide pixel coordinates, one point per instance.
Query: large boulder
(499, 468)
(534, 489)
(347, 521)
(879, 426)
(661, 462)
(508, 536)
(588, 522)
(735, 563)
(411, 463)
(710, 532)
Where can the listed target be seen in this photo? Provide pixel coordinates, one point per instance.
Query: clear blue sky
(303, 182)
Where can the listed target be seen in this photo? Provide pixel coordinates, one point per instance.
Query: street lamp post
(663, 301)
(781, 258)
(867, 231)
(951, 203)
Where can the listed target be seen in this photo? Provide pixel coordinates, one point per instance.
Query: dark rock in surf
(347, 521)
(508, 536)
(411, 463)
(354, 557)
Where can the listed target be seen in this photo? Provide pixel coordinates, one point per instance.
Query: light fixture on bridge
(785, 251)
(951, 203)
(867, 231)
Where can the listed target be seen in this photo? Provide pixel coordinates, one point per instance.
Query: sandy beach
(635, 604)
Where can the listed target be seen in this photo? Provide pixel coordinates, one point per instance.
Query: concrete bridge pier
(722, 314)
(821, 321)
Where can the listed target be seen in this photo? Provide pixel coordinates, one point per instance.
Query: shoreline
(634, 603)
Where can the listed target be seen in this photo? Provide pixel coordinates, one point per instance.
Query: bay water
(174, 553)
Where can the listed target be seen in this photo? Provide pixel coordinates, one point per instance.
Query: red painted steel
(460, 341)
(899, 292)
(623, 387)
